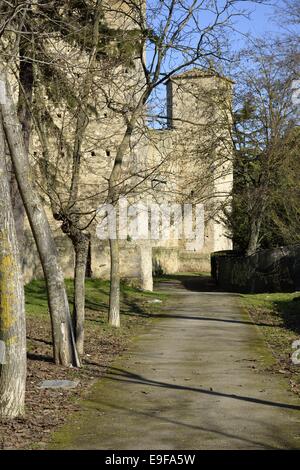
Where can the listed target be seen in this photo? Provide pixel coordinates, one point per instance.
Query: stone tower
(199, 136)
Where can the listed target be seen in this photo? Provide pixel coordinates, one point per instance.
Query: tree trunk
(25, 93)
(24, 113)
(113, 197)
(81, 252)
(12, 305)
(254, 235)
(114, 295)
(63, 338)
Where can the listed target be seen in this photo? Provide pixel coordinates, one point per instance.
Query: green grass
(278, 318)
(97, 296)
(280, 309)
(136, 313)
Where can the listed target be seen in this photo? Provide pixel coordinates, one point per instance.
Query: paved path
(195, 380)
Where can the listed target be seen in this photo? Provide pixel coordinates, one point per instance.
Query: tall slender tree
(65, 352)
(12, 305)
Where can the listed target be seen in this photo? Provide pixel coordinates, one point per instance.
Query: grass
(277, 316)
(136, 309)
(97, 296)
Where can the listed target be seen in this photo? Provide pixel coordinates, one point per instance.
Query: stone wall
(31, 265)
(136, 260)
(274, 270)
(176, 260)
(99, 263)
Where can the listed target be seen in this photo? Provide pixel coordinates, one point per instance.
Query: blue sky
(261, 21)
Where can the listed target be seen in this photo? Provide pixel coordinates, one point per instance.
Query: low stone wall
(274, 270)
(175, 260)
(31, 265)
(135, 260)
(100, 258)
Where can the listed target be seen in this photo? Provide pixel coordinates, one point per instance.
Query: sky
(261, 21)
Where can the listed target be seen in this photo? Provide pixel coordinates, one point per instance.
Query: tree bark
(63, 338)
(114, 294)
(70, 221)
(12, 305)
(257, 220)
(254, 236)
(81, 253)
(113, 196)
(24, 114)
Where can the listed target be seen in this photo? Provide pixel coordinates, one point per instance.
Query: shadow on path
(201, 283)
(190, 426)
(122, 375)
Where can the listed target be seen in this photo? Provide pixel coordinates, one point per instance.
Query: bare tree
(67, 214)
(63, 341)
(292, 11)
(22, 24)
(12, 305)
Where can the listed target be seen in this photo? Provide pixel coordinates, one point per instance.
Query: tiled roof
(199, 73)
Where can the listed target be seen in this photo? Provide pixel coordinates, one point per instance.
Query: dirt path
(196, 380)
